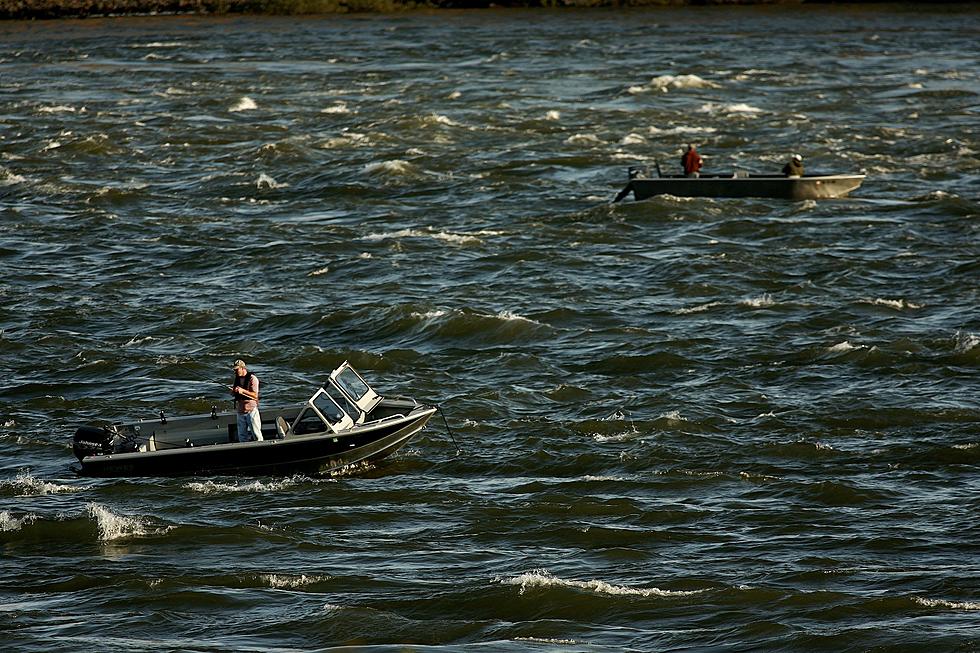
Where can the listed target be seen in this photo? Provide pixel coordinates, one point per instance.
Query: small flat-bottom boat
(740, 184)
(345, 422)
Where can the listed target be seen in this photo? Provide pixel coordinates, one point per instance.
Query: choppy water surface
(686, 424)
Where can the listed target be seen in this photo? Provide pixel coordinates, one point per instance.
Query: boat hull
(811, 187)
(306, 454)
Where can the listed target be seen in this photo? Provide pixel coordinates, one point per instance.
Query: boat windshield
(343, 402)
(328, 408)
(309, 422)
(355, 388)
(352, 383)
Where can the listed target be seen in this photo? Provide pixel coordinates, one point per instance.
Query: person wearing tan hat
(245, 389)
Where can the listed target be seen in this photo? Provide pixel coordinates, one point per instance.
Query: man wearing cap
(245, 389)
(795, 167)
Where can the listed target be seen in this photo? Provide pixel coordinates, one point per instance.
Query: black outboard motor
(90, 441)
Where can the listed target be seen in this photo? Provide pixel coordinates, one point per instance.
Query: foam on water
(897, 304)
(244, 104)
(337, 109)
(392, 167)
(454, 239)
(289, 582)
(951, 605)
(117, 527)
(665, 83)
(57, 108)
(844, 346)
(257, 486)
(27, 485)
(729, 108)
(625, 436)
(10, 523)
(758, 302)
(583, 139)
(265, 182)
(542, 579)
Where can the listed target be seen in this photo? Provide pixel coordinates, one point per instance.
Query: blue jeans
(249, 426)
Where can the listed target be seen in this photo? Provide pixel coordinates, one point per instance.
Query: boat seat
(282, 427)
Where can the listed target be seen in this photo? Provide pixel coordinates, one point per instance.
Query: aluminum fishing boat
(343, 423)
(739, 184)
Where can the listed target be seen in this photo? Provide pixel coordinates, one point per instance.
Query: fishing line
(449, 430)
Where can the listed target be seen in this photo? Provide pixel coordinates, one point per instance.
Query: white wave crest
(697, 309)
(758, 302)
(439, 119)
(942, 603)
(750, 476)
(259, 487)
(553, 115)
(338, 108)
(26, 484)
(8, 178)
(348, 139)
(666, 83)
(897, 304)
(624, 436)
(543, 579)
(265, 182)
(244, 104)
(632, 139)
(395, 167)
(115, 527)
(281, 582)
(59, 108)
(965, 342)
(428, 315)
(511, 316)
(657, 131)
(318, 272)
(160, 44)
(545, 640)
(672, 416)
(455, 239)
(841, 347)
(734, 107)
(583, 139)
(10, 523)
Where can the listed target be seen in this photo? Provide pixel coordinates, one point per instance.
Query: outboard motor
(90, 441)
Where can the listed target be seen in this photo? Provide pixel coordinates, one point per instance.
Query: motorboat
(643, 185)
(343, 423)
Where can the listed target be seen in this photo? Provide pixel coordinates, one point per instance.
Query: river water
(686, 424)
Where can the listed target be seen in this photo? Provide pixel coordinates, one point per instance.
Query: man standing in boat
(245, 389)
(691, 161)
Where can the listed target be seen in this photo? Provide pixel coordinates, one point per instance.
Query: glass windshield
(342, 401)
(309, 422)
(352, 384)
(328, 408)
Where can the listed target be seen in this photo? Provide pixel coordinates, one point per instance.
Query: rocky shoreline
(41, 9)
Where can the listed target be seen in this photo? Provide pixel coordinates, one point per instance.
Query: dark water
(686, 424)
